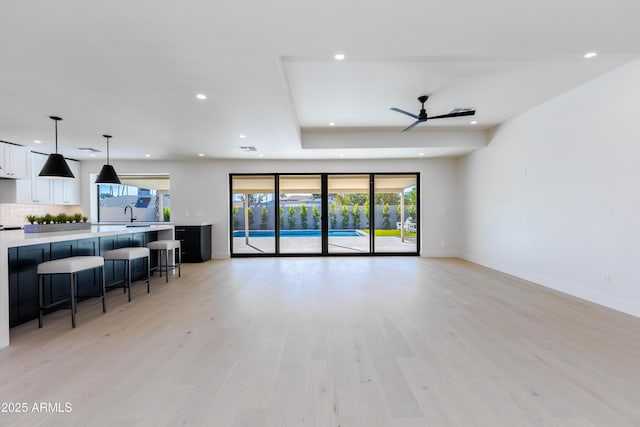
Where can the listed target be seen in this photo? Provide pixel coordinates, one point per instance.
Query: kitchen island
(21, 274)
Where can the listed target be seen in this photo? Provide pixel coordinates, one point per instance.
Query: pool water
(298, 233)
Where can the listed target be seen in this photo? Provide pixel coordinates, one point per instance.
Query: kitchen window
(148, 196)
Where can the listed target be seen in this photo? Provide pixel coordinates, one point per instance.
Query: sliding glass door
(324, 214)
(396, 213)
(253, 214)
(300, 213)
(348, 198)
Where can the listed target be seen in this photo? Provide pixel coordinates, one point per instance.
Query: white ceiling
(133, 68)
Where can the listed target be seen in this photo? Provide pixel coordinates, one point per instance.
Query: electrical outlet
(606, 279)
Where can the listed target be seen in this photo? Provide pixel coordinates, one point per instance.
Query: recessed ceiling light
(473, 122)
(92, 155)
(339, 56)
(420, 154)
(341, 155)
(201, 96)
(332, 124)
(147, 155)
(37, 141)
(242, 136)
(200, 154)
(260, 155)
(590, 55)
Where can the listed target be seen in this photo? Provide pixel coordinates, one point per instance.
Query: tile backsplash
(13, 214)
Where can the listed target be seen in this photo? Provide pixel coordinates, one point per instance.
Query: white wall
(555, 197)
(200, 191)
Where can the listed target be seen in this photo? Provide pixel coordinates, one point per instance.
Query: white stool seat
(164, 244)
(127, 253)
(70, 265)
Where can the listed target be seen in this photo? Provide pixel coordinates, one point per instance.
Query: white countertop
(14, 238)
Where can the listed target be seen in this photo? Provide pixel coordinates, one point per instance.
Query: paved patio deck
(313, 245)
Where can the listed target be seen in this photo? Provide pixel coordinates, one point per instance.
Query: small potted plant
(60, 222)
(61, 218)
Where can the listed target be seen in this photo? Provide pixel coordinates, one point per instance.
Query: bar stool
(70, 266)
(166, 246)
(127, 255)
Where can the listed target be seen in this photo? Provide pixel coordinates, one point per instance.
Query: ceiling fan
(422, 116)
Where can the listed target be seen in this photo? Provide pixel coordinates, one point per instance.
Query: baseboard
(440, 254)
(559, 285)
(220, 255)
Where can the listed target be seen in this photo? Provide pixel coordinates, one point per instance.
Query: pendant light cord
(107, 136)
(56, 119)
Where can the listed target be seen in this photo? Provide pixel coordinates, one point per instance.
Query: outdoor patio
(312, 245)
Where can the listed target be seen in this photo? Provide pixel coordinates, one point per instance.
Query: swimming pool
(299, 233)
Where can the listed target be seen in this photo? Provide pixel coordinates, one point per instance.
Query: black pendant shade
(56, 166)
(108, 174)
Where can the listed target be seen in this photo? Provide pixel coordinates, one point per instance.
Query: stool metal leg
(166, 259)
(124, 278)
(160, 262)
(75, 289)
(104, 291)
(128, 283)
(148, 274)
(40, 300)
(179, 260)
(73, 300)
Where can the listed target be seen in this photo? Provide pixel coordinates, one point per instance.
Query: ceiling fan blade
(460, 114)
(412, 126)
(405, 112)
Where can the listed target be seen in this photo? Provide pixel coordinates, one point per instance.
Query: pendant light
(56, 166)
(108, 174)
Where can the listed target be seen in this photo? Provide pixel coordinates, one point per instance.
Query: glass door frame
(324, 219)
(354, 252)
(323, 230)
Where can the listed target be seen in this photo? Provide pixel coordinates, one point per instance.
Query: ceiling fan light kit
(56, 166)
(422, 116)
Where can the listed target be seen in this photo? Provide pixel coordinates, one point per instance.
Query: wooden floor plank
(329, 342)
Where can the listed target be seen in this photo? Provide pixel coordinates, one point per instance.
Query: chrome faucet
(131, 211)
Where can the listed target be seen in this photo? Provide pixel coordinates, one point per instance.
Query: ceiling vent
(248, 148)
(89, 149)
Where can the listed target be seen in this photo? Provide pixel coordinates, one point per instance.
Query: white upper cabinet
(67, 191)
(36, 190)
(41, 188)
(14, 161)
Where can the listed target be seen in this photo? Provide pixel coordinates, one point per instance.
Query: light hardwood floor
(394, 341)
